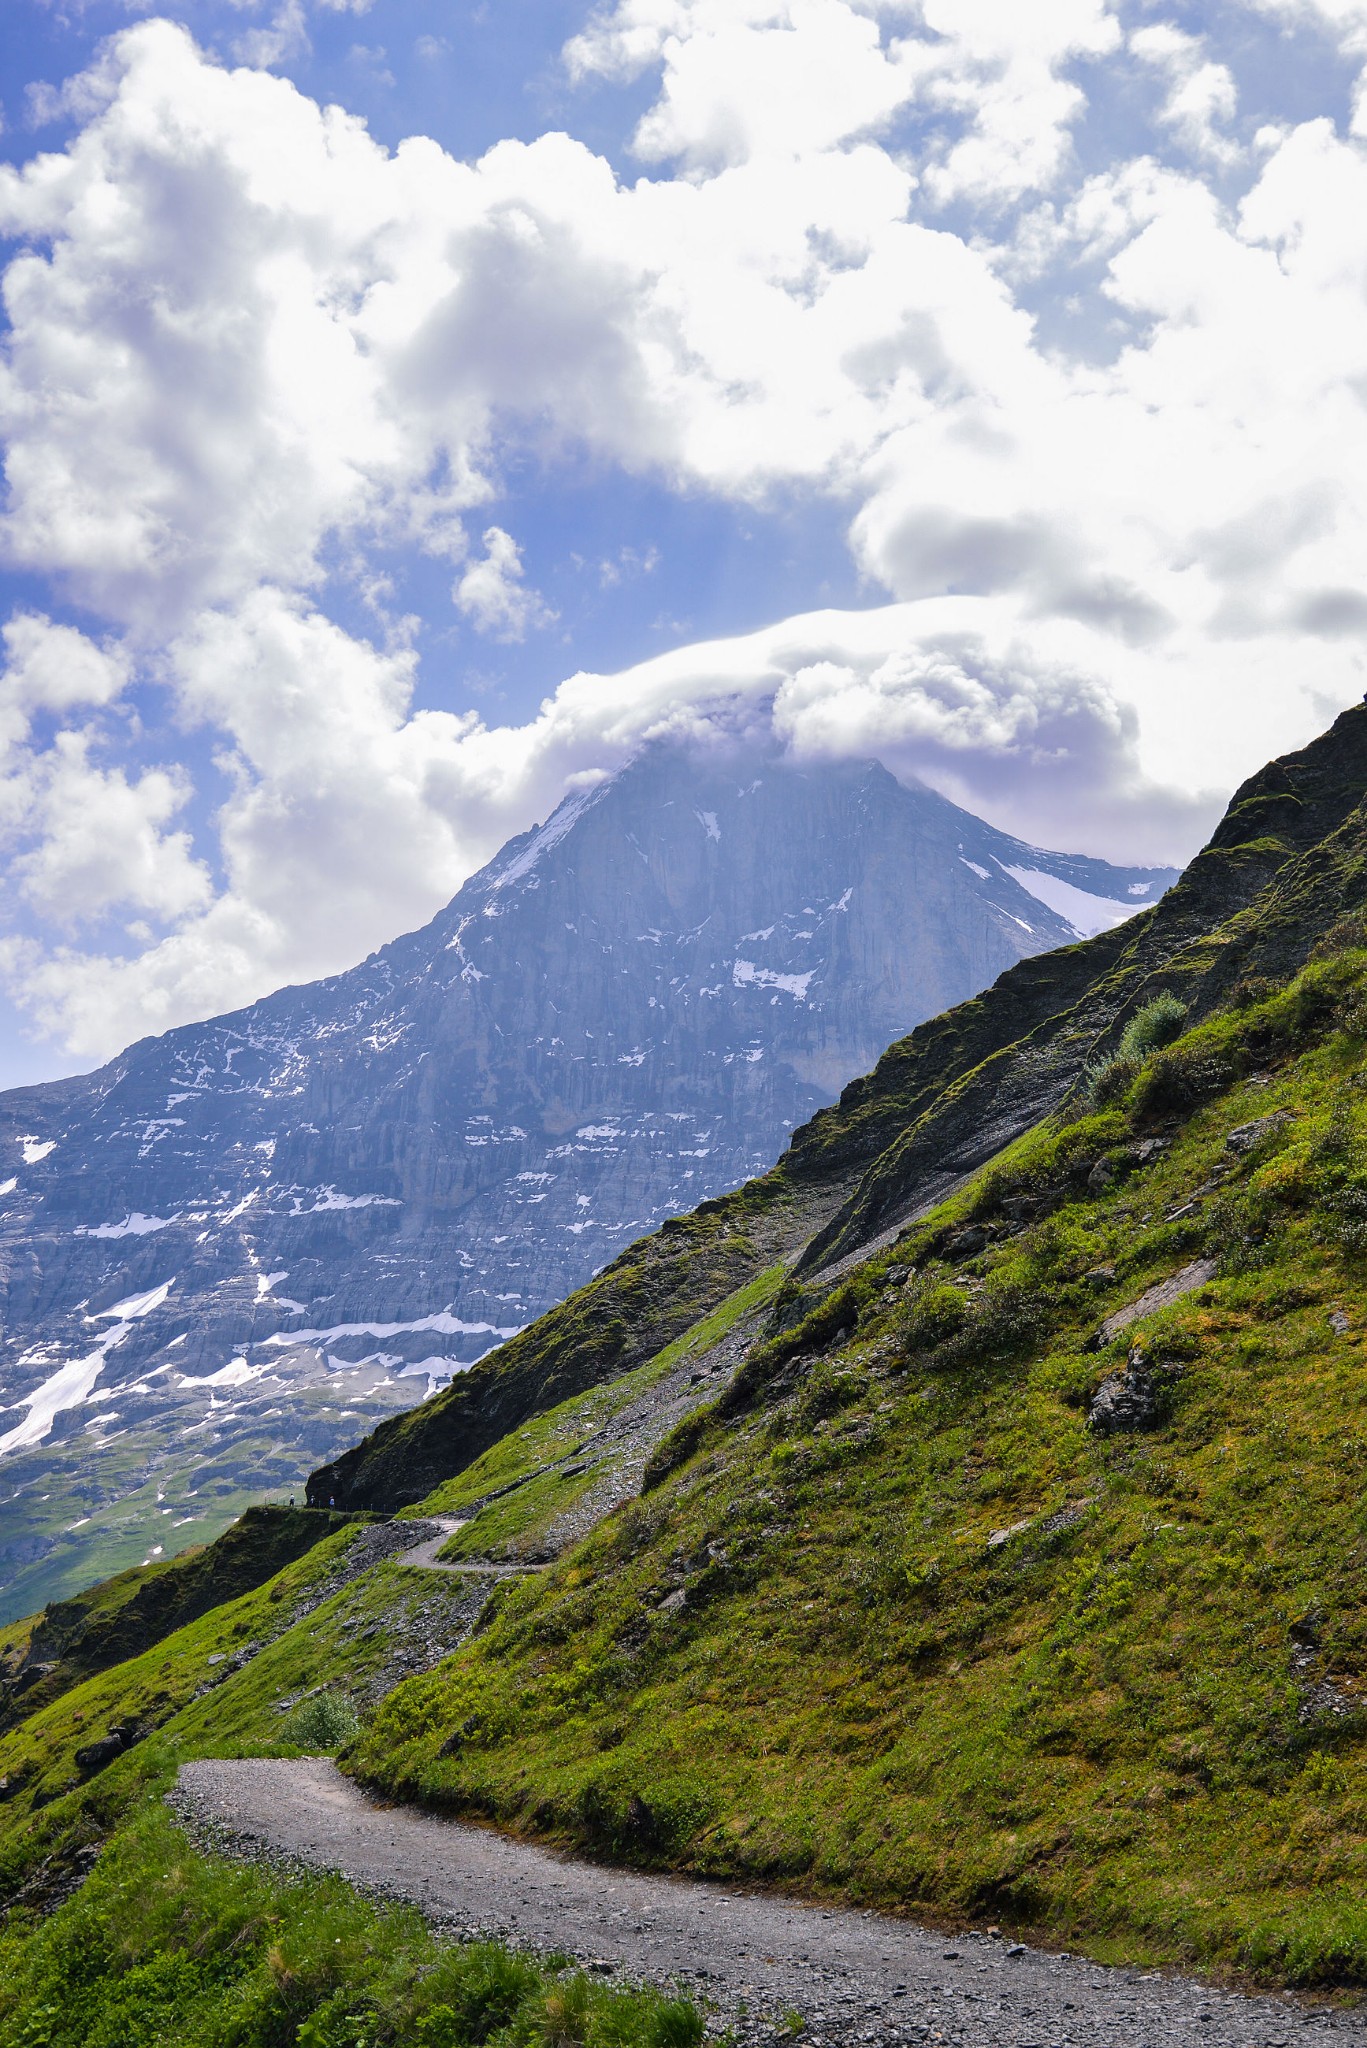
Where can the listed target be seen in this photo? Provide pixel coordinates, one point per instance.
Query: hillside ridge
(1002, 1561)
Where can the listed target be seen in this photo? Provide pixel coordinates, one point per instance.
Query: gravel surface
(853, 1977)
(423, 1556)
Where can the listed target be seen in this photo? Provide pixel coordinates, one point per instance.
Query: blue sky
(409, 409)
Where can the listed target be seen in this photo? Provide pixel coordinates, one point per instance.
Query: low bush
(321, 1724)
(1157, 1024)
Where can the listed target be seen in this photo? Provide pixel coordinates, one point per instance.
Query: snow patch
(36, 1149)
(67, 1388)
(978, 870)
(73, 1382)
(7, 1187)
(135, 1306)
(708, 821)
(236, 1373)
(136, 1225)
(439, 1371)
(746, 974)
(1085, 913)
(328, 1198)
(547, 836)
(444, 1323)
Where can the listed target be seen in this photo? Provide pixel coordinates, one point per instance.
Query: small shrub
(827, 1391)
(949, 1331)
(324, 1724)
(1181, 1079)
(1108, 1081)
(1348, 1220)
(936, 1315)
(1347, 935)
(1252, 990)
(1240, 1233)
(678, 1447)
(1157, 1024)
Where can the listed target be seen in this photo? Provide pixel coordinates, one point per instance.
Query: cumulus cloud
(1202, 98)
(492, 593)
(1123, 555)
(49, 667)
(83, 837)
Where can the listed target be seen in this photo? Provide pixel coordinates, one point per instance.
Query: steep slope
(1024, 1574)
(936, 1106)
(236, 1246)
(1012, 1565)
(1026, 1578)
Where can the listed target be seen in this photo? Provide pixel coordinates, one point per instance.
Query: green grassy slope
(902, 1625)
(46, 1655)
(164, 1946)
(652, 1293)
(117, 1931)
(898, 1615)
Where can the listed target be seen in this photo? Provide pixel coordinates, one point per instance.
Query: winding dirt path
(854, 1977)
(423, 1556)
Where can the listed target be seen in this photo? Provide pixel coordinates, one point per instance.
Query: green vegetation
(652, 1293)
(993, 1584)
(321, 1725)
(943, 1645)
(230, 1957)
(163, 1945)
(1155, 1024)
(43, 1657)
(516, 1491)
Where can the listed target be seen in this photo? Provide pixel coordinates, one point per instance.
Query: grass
(43, 1785)
(891, 1623)
(122, 1616)
(164, 1945)
(944, 1647)
(511, 1496)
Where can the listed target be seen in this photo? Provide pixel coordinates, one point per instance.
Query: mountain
(230, 1250)
(963, 1517)
(935, 1108)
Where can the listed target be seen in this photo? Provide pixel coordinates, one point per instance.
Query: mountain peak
(326, 1204)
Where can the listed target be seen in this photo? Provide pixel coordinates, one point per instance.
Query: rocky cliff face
(236, 1247)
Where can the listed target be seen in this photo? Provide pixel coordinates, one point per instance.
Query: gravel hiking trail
(423, 1556)
(756, 1960)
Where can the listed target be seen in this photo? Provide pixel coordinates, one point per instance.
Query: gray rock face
(1162, 1294)
(1133, 1399)
(228, 1253)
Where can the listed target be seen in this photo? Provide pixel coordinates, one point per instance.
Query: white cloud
(83, 838)
(1126, 567)
(1202, 97)
(53, 668)
(101, 842)
(492, 594)
(744, 78)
